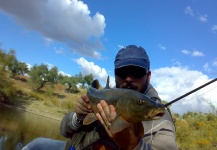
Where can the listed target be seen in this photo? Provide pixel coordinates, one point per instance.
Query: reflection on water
(19, 127)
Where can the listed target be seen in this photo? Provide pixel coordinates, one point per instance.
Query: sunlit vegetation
(45, 92)
(197, 131)
(20, 85)
(39, 91)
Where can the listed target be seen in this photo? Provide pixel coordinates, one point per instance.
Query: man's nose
(129, 78)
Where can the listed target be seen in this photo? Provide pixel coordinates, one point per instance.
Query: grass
(52, 100)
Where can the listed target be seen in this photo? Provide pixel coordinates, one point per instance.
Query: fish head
(135, 106)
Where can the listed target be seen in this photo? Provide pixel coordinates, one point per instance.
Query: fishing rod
(200, 87)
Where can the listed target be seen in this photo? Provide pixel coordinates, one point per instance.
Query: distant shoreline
(35, 112)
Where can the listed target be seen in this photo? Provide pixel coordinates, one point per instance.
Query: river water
(19, 127)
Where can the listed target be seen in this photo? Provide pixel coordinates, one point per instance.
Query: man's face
(132, 77)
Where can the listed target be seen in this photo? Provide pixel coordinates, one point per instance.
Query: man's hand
(129, 137)
(82, 107)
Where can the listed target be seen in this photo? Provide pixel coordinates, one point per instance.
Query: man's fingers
(80, 110)
(102, 112)
(85, 98)
(83, 105)
(113, 113)
(106, 110)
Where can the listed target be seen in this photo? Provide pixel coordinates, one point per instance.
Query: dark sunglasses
(135, 72)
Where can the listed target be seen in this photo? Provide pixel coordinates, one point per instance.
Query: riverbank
(42, 110)
(52, 101)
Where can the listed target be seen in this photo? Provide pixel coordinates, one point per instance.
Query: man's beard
(128, 85)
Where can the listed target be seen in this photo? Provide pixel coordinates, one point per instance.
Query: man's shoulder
(152, 92)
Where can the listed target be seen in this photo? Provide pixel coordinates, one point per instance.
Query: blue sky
(84, 36)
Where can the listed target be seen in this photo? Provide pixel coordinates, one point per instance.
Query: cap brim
(132, 62)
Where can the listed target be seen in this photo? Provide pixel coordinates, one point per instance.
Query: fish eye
(140, 101)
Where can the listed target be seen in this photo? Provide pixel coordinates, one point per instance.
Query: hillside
(52, 100)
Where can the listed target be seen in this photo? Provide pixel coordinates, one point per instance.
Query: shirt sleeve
(66, 125)
(164, 139)
(159, 135)
(142, 146)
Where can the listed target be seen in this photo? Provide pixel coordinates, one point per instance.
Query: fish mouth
(156, 114)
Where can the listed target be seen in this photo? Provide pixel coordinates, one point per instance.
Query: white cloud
(176, 63)
(210, 66)
(161, 47)
(29, 66)
(60, 51)
(64, 74)
(49, 65)
(173, 82)
(215, 62)
(48, 41)
(189, 11)
(66, 21)
(120, 46)
(185, 51)
(203, 18)
(98, 73)
(214, 28)
(197, 53)
(207, 67)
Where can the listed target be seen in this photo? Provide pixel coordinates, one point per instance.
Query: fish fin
(90, 118)
(107, 83)
(95, 84)
(118, 125)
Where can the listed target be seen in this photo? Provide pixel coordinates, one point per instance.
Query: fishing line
(194, 90)
(152, 132)
(201, 94)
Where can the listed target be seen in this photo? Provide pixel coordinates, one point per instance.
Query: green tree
(38, 76)
(3, 60)
(12, 62)
(81, 80)
(13, 65)
(88, 79)
(22, 68)
(7, 91)
(52, 75)
(71, 82)
(60, 78)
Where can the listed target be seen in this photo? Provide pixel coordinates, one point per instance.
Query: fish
(130, 105)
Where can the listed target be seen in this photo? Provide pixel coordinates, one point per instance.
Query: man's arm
(72, 121)
(66, 125)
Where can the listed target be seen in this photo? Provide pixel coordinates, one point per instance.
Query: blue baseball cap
(132, 55)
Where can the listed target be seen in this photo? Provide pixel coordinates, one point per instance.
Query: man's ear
(149, 76)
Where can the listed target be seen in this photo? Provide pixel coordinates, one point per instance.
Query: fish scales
(111, 96)
(130, 105)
